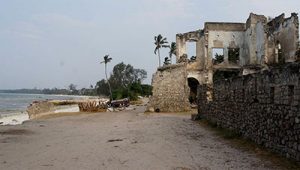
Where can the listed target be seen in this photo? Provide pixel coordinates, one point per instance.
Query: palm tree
(160, 41)
(167, 61)
(172, 50)
(107, 60)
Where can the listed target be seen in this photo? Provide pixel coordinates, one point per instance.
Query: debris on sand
(115, 140)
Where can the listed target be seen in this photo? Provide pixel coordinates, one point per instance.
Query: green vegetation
(160, 42)
(107, 60)
(126, 82)
(219, 58)
(167, 61)
(172, 50)
(64, 91)
(233, 55)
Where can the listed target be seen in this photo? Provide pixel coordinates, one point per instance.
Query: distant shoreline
(47, 94)
(16, 103)
(58, 94)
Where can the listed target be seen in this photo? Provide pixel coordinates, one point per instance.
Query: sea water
(13, 103)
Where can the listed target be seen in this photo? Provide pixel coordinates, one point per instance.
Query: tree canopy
(125, 81)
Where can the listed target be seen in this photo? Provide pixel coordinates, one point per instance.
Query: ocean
(13, 103)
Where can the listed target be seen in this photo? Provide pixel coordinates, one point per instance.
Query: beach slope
(119, 140)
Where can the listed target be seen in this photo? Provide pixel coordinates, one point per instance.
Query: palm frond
(106, 59)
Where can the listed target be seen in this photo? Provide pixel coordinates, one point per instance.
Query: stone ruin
(252, 87)
(245, 48)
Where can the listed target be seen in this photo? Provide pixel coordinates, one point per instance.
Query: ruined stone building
(251, 88)
(245, 48)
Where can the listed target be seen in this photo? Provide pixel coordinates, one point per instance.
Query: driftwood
(93, 106)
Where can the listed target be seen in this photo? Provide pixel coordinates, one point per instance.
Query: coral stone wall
(37, 108)
(170, 89)
(263, 107)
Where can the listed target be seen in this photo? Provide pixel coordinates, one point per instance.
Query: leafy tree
(121, 75)
(107, 60)
(124, 75)
(72, 87)
(136, 88)
(102, 88)
(146, 89)
(172, 50)
(73, 90)
(160, 42)
(218, 58)
(139, 75)
(193, 58)
(233, 55)
(124, 80)
(167, 61)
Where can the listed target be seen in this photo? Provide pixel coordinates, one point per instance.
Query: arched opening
(193, 84)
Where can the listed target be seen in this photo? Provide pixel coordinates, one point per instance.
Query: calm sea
(11, 103)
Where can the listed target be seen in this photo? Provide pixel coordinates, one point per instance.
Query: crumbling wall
(226, 40)
(255, 39)
(37, 108)
(284, 31)
(250, 47)
(201, 51)
(170, 89)
(181, 40)
(264, 107)
(225, 36)
(194, 37)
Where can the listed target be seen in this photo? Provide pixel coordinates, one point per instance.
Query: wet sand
(119, 140)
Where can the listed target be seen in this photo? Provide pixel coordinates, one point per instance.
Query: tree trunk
(159, 58)
(108, 83)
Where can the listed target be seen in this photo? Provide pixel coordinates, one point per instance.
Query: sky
(53, 43)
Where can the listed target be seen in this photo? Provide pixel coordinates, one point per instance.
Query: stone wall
(38, 107)
(170, 89)
(263, 107)
(284, 31)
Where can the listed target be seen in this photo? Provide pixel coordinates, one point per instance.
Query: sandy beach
(119, 140)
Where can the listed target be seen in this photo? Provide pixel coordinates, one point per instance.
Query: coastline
(13, 106)
(19, 118)
(14, 119)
